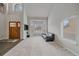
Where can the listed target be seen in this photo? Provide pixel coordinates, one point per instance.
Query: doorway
(37, 27)
(14, 29)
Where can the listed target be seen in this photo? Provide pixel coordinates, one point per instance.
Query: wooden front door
(14, 30)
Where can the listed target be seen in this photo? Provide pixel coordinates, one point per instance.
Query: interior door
(14, 30)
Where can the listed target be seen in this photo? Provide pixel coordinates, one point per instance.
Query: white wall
(24, 21)
(2, 26)
(77, 34)
(57, 14)
(4, 21)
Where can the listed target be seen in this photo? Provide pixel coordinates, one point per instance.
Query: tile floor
(36, 46)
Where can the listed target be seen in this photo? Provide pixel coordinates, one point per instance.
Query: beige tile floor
(36, 46)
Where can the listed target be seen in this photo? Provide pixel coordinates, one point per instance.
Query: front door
(14, 30)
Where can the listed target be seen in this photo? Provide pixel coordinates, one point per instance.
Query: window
(66, 23)
(18, 7)
(2, 8)
(69, 28)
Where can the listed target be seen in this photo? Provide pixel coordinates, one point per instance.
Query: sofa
(49, 37)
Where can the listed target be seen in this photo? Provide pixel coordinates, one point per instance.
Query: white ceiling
(37, 9)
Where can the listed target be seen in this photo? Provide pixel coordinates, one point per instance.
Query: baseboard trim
(74, 53)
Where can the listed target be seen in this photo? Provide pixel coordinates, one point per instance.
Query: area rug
(9, 40)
